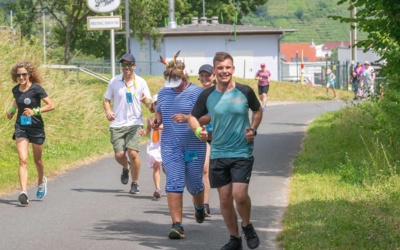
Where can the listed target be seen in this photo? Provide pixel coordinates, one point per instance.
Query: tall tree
(24, 14)
(381, 20)
(68, 14)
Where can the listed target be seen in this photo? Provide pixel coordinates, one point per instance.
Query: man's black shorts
(226, 170)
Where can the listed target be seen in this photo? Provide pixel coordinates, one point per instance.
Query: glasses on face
(23, 75)
(127, 65)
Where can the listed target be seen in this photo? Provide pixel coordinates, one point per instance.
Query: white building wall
(248, 53)
(344, 54)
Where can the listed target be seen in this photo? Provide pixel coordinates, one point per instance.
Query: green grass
(345, 188)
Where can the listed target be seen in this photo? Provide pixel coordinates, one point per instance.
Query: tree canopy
(381, 20)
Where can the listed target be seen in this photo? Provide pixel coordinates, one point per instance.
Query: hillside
(308, 17)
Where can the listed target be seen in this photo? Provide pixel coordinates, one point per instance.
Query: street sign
(103, 6)
(104, 22)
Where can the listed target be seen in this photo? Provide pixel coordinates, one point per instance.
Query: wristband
(36, 111)
(12, 110)
(197, 133)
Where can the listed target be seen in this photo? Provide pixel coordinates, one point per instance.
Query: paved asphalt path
(89, 208)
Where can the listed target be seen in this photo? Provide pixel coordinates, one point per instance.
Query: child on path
(330, 82)
(154, 160)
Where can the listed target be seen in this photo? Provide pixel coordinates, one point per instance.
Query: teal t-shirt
(229, 112)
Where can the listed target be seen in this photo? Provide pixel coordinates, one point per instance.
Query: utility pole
(353, 32)
(112, 42)
(44, 37)
(127, 32)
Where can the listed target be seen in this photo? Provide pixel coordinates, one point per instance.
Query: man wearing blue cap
(128, 91)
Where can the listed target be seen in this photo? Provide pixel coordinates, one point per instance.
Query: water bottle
(156, 133)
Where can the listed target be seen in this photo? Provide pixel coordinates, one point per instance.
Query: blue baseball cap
(207, 68)
(128, 57)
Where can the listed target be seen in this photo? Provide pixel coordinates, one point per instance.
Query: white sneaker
(23, 198)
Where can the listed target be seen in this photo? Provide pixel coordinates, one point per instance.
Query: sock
(198, 209)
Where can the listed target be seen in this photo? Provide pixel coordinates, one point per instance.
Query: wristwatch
(254, 131)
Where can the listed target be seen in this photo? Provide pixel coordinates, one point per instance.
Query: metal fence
(314, 73)
(100, 67)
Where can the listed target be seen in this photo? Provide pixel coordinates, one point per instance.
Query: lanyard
(134, 85)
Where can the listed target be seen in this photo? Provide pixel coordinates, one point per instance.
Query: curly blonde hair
(33, 73)
(175, 72)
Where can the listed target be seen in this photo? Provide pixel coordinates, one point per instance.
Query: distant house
(292, 52)
(325, 50)
(199, 41)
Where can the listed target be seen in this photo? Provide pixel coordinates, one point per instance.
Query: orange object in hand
(156, 133)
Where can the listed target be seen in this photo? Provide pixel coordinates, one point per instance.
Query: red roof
(288, 52)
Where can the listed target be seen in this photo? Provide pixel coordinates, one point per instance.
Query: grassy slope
(313, 24)
(345, 188)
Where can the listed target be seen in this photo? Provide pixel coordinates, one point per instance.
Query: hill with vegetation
(308, 17)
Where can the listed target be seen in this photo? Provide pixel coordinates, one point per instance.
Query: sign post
(302, 69)
(105, 23)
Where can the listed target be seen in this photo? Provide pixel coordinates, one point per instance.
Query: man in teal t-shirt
(231, 159)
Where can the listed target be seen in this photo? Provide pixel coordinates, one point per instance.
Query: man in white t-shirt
(127, 91)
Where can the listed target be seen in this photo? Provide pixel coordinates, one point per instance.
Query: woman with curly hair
(29, 126)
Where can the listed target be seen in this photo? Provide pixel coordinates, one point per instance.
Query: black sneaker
(234, 243)
(251, 236)
(207, 210)
(125, 176)
(134, 188)
(199, 214)
(176, 231)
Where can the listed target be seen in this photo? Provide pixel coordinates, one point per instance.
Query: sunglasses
(23, 75)
(127, 64)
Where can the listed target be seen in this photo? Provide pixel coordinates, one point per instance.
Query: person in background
(330, 82)
(368, 79)
(263, 76)
(182, 152)
(206, 78)
(29, 125)
(127, 91)
(154, 159)
(356, 75)
(231, 158)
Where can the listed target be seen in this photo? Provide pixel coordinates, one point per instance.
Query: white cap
(171, 83)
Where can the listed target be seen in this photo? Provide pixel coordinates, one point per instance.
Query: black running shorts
(226, 170)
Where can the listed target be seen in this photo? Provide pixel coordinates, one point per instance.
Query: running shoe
(176, 231)
(207, 210)
(125, 176)
(42, 189)
(134, 188)
(235, 243)
(23, 198)
(251, 236)
(157, 194)
(199, 214)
